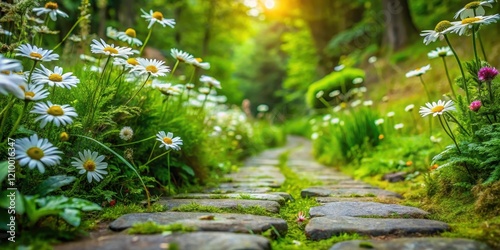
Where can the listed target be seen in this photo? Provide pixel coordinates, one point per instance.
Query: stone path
(348, 206)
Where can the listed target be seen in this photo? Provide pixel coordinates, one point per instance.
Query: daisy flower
(169, 141)
(181, 56)
(126, 133)
(465, 26)
(5, 32)
(439, 31)
(52, 9)
(157, 17)
(91, 163)
(473, 9)
(60, 115)
(391, 114)
(418, 71)
(409, 108)
(88, 58)
(151, 66)
(262, 108)
(379, 121)
(10, 65)
(35, 53)
(399, 126)
(129, 36)
(35, 93)
(12, 83)
(435, 109)
(54, 78)
(111, 32)
(440, 52)
(36, 152)
(198, 62)
(101, 47)
(127, 63)
(212, 82)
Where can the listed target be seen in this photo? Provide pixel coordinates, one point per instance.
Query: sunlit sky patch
(257, 6)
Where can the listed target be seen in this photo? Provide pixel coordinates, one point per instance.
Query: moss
(195, 207)
(488, 199)
(113, 213)
(151, 227)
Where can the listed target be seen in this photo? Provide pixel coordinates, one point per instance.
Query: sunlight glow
(269, 4)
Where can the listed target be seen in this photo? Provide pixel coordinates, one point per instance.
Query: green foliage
(114, 212)
(341, 81)
(195, 207)
(152, 227)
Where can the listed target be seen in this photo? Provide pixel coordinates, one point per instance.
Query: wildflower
(335, 121)
(169, 141)
(440, 52)
(391, 114)
(101, 47)
(52, 9)
(398, 126)
(434, 167)
(60, 115)
(91, 163)
(357, 80)
(368, 103)
(9, 82)
(88, 58)
(314, 136)
(320, 94)
(129, 63)
(473, 9)
(409, 163)
(435, 139)
(189, 86)
(465, 26)
(439, 31)
(381, 137)
(153, 67)
(301, 217)
(339, 67)
(436, 108)
(379, 121)
(418, 71)
(75, 38)
(129, 36)
(355, 103)
(5, 32)
(212, 82)
(372, 59)
(198, 62)
(45, 30)
(36, 152)
(129, 153)
(204, 91)
(157, 17)
(54, 78)
(35, 93)
(487, 74)
(112, 203)
(35, 53)
(262, 108)
(126, 133)
(334, 93)
(475, 105)
(409, 108)
(64, 136)
(181, 56)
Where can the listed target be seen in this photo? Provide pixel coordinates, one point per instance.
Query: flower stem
(147, 39)
(69, 32)
(448, 77)
(152, 150)
(482, 46)
(131, 143)
(465, 87)
(19, 118)
(460, 125)
(156, 158)
(425, 87)
(168, 169)
(449, 133)
(173, 70)
(478, 63)
(142, 86)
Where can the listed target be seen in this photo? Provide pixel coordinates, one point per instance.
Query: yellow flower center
(64, 136)
(438, 108)
(36, 55)
(442, 26)
(35, 153)
(167, 140)
(110, 50)
(151, 68)
(51, 5)
(55, 77)
(442, 53)
(23, 88)
(158, 15)
(130, 32)
(29, 94)
(5, 72)
(181, 59)
(472, 5)
(55, 111)
(470, 20)
(198, 59)
(89, 165)
(132, 61)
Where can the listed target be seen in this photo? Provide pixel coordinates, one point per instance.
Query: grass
(152, 227)
(195, 207)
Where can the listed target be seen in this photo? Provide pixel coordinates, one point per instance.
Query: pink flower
(301, 217)
(475, 105)
(487, 74)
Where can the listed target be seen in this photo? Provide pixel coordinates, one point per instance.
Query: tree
(399, 27)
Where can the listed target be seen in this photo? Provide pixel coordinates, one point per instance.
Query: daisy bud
(64, 136)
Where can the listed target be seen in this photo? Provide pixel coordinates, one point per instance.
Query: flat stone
(244, 196)
(182, 241)
(262, 162)
(360, 209)
(285, 196)
(270, 206)
(351, 192)
(412, 243)
(320, 228)
(238, 190)
(395, 177)
(341, 199)
(255, 184)
(226, 222)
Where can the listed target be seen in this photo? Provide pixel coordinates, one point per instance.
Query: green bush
(341, 81)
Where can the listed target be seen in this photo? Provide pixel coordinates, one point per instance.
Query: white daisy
(126, 133)
(5, 32)
(101, 47)
(418, 71)
(157, 17)
(379, 121)
(151, 66)
(127, 63)
(60, 115)
(35, 53)
(334, 93)
(262, 108)
(439, 31)
(368, 103)
(168, 141)
(436, 108)
(129, 36)
(9, 81)
(212, 82)
(35, 93)
(464, 27)
(54, 78)
(440, 52)
(10, 65)
(111, 32)
(398, 126)
(181, 56)
(87, 58)
(36, 152)
(372, 59)
(197, 62)
(409, 108)
(52, 9)
(473, 9)
(391, 114)
(92, 163)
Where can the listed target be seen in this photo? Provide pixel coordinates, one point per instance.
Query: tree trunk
(127, 10)
(399, 27)
(208, 26)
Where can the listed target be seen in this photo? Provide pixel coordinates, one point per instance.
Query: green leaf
(71, 216)
(188, 169)
(4, 170)
(5, 201)
(53, 183)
